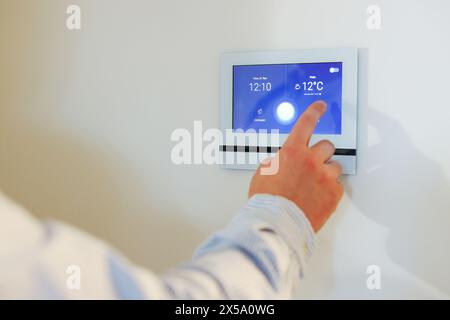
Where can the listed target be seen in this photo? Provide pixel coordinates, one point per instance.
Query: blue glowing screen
(274, 96)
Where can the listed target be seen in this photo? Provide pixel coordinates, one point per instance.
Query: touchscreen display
(273, 96)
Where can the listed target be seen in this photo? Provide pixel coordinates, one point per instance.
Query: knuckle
(329, 144)
(289, 151)
(328, 182)
(323, 147)
(324, 179)
(337, 168)
(334, 187)
(310, 162)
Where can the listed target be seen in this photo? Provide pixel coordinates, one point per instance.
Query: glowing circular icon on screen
(285, 113)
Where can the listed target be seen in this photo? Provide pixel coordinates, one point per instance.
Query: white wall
(86, 118)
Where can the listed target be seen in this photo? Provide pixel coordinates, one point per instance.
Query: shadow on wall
(408, 193)
(57, 177)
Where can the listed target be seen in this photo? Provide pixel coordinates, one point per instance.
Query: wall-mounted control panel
(264, 93)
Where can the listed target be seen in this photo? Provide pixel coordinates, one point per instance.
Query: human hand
(305, 175)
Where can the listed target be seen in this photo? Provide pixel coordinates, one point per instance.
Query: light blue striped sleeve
(261, 254)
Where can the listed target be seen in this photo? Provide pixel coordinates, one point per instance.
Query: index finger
(302, 131)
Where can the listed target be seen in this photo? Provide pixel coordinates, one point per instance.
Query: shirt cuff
(264, 212)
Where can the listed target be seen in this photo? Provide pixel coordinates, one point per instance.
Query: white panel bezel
(348, 57)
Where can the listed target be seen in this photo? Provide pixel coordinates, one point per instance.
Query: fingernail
(321, 106)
